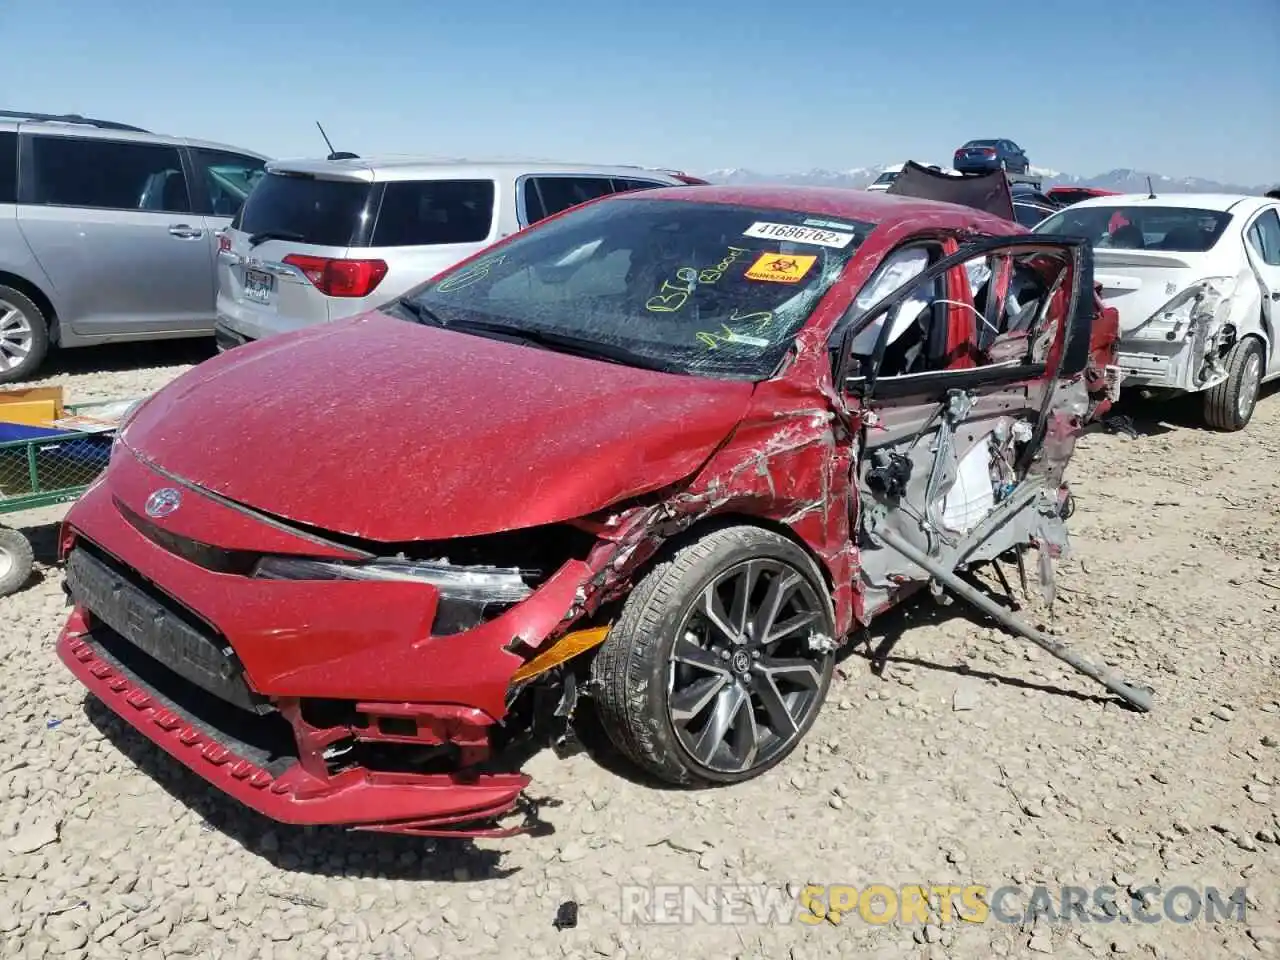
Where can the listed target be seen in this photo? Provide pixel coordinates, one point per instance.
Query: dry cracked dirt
(975, 760)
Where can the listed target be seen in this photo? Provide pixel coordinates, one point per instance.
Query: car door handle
(1275, 294)
(185, 231)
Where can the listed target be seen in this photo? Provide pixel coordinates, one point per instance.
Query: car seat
(1183, 238)
(174, 196)
(1128, 237)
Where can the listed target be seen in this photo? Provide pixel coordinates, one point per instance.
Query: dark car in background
(1030, 206)
(984, 156)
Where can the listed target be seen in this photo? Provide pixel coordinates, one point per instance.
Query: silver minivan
(318, 240)
(107, 233)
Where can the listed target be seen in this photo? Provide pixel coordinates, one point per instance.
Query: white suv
(318, 240)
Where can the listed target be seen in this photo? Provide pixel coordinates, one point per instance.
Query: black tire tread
(1221, 401)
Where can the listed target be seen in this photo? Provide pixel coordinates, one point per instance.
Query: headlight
(468, 595)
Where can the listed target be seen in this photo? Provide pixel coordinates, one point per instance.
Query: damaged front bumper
(290, 790)
(310, 701)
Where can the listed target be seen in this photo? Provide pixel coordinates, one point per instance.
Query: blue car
(984, 156)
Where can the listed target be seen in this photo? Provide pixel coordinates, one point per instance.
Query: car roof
(380, 169)
(85, 131)
(874, 207)
(1200, 201)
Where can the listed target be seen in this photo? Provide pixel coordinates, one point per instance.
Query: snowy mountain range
(1121, 180)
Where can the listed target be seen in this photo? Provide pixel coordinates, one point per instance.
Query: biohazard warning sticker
(780, 268)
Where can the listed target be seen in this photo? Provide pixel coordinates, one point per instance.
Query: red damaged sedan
(663, 453)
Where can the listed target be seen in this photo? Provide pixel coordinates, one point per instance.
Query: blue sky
(1175, 86)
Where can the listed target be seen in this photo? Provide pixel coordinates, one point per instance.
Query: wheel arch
(1266, 336)
(717, 521)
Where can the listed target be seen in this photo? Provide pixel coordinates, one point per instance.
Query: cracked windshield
(698, 288)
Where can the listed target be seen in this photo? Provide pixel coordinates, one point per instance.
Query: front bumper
(238, 679)
(439, 805)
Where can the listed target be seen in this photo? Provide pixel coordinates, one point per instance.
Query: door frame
(1072, 358)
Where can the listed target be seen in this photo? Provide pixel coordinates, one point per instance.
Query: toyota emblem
(163, 502)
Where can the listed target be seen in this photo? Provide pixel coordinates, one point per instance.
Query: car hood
(383, 429)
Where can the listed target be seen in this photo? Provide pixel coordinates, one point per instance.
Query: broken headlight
(1197, 306)
(467, 595)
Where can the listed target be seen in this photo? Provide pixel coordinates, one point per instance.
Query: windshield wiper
(563, 343)
(419, 312)
(264, 235)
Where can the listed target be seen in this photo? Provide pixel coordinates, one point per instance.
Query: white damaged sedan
(1196, 280)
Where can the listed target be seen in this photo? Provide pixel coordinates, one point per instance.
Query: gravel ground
(975, 760)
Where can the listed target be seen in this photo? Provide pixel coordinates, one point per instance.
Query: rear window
(329, 213)
(982, 143)
(1117, 227)
(8, 167)
(425, 212)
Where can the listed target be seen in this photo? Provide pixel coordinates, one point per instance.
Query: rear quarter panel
(1229, 258)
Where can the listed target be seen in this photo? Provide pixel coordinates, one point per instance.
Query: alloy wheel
(16, 336)
(745, 676)
(1250, 381)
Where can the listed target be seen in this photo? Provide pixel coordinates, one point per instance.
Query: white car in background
(1196, 280)
(890, 174)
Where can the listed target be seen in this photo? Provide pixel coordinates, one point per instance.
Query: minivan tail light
(224, 241)
(340, 278)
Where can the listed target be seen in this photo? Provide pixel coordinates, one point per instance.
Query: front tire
(720, 660)
(24, 335)
(1229, 405)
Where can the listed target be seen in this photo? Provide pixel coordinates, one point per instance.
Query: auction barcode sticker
(798, 234)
